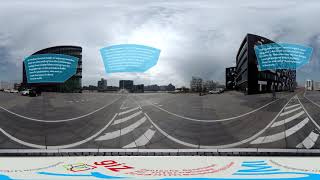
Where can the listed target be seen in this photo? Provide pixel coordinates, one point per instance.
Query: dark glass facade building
(231, 78)
(250, 80)
(73, 84)
(126, 84)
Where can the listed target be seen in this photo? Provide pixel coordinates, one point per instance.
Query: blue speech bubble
(282, 56)
(50, 68)
(129, 58)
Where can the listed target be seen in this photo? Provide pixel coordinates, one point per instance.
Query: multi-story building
(73, 84)
(102, 85)
(126, 84)
(6, 85)
(139, 88)
(209, 85)
(196, 84)
(153, 87)
(250, 80)
(309, 85)
(231, 78)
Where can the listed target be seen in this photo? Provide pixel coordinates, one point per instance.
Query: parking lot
(159, 120)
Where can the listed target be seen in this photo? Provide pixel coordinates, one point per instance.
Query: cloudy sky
(196, 38)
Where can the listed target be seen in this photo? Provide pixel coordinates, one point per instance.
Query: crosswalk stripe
(292, 106)
(292, 110)
(127, 118)
(121, 132)
(142, 140)
(127, 111)
(309, 141)
(279, 123)
(281, 135)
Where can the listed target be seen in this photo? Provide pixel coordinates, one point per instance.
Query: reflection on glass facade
(250, 80)
(71, 85)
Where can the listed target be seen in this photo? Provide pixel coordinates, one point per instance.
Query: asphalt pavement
(160, 121)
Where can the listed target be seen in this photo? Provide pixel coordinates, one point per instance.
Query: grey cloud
(196, 37)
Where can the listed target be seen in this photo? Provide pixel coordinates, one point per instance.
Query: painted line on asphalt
(314, 122)
(60, 146)
(214, 120)
(127, 111)
(124, 131)
(142, 140)
(281, 135)
(218, 146)
(59, 120)
(289, 119)
(292, 106)
(304, 95)
(290, 111)
(118, 121)
(135, 102)
(309, 141)
(170, 137)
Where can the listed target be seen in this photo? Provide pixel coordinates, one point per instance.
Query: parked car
(25, 92)
(34, 92)
(14, 91)
(7, 90)
(214, 92)
(217, 91)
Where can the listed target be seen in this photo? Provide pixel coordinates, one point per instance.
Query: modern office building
(6, 85)
(73, 84)
(231, 78)
(250, 80)
(309, 85)
(153, 87)
(102, 85)
(312, 85)
(126, 84)
(196, 84)
(209, 85)
(139, 88)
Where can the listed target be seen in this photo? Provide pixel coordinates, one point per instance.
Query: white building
(309, 85)
(6, 85)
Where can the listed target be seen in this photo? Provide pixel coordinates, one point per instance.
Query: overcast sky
(196, 38)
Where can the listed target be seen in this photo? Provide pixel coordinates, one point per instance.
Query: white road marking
(124, 131)
(127, 111)
(281, 135)
(289, 119)
(142, 140)
(59, 120)
(292, 106)
(304, 95)
(290, 111)
(300, 145)
(60, 146)
(309, 141)
(214, 120)
(127, 118)
(218, 146)
(314, 122)
(135, 102)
